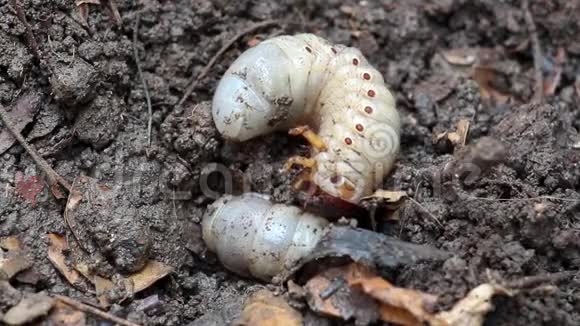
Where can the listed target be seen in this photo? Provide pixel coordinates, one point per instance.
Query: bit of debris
(266, 309)
(57, 248)
(12, 263)
(65, 315)
(28, 309)
(10, 243)
(452, 139)
(387, 196)
(471, 310)
(94, 311)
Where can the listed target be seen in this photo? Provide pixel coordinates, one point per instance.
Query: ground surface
(92, 120)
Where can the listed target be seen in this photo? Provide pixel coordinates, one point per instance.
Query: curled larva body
(288, 81)
(253, 237)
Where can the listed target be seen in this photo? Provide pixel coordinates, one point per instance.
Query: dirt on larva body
(93, 121)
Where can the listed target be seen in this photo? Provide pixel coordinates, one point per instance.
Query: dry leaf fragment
(328, 293)
(388, 196)
(459, 136)
(10, 243)
(12, 263)
(28, 309)
(151, 273)
(374, 296)
(265, 309)
(65, 315)
(406, 306)
(56, 248)
(461, 56)
(471, 310)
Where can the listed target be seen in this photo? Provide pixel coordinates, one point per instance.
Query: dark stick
(53, 177)
(92, 310)
(537, 52)
(29, 34)
(140, 71)
(533, 281)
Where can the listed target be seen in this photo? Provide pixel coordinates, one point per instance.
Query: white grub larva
(291, 81)
(253, 237)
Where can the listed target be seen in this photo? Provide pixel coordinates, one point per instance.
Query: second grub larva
(303, 80)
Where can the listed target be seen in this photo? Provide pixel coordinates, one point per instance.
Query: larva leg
(299, 160)
(310, 136)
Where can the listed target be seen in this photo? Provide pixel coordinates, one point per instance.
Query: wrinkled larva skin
(254, 237)
(289, 81)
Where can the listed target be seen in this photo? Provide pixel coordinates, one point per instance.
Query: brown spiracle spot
(371, 93)
(348, 141)
(368, 110)
(366, 76)
(355, 61)
(359, 127)
(333, 50)
(308, 49)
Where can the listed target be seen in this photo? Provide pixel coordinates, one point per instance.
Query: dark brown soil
(93, 121)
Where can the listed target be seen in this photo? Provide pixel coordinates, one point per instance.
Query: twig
(143, 81)
(29, 34)
(53, 177)
(524, 199)
(194, 81)
(86, 308)
(537, 52)
(537, 280)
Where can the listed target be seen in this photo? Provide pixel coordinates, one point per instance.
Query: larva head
(250, 95)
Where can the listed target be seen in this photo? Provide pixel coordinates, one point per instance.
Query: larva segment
(360, 125)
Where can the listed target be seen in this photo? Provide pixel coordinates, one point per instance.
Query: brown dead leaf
(12, 263)
(388, 196)
(65, 315)
(151, 273)
(459, 136)
(471, 310)
(265, 309)
(28, 309)
(56, 249)
(10, 243)
(328, 293)
(377, 298)
(404, 306)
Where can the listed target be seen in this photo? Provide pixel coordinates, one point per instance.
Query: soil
(93, 121)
